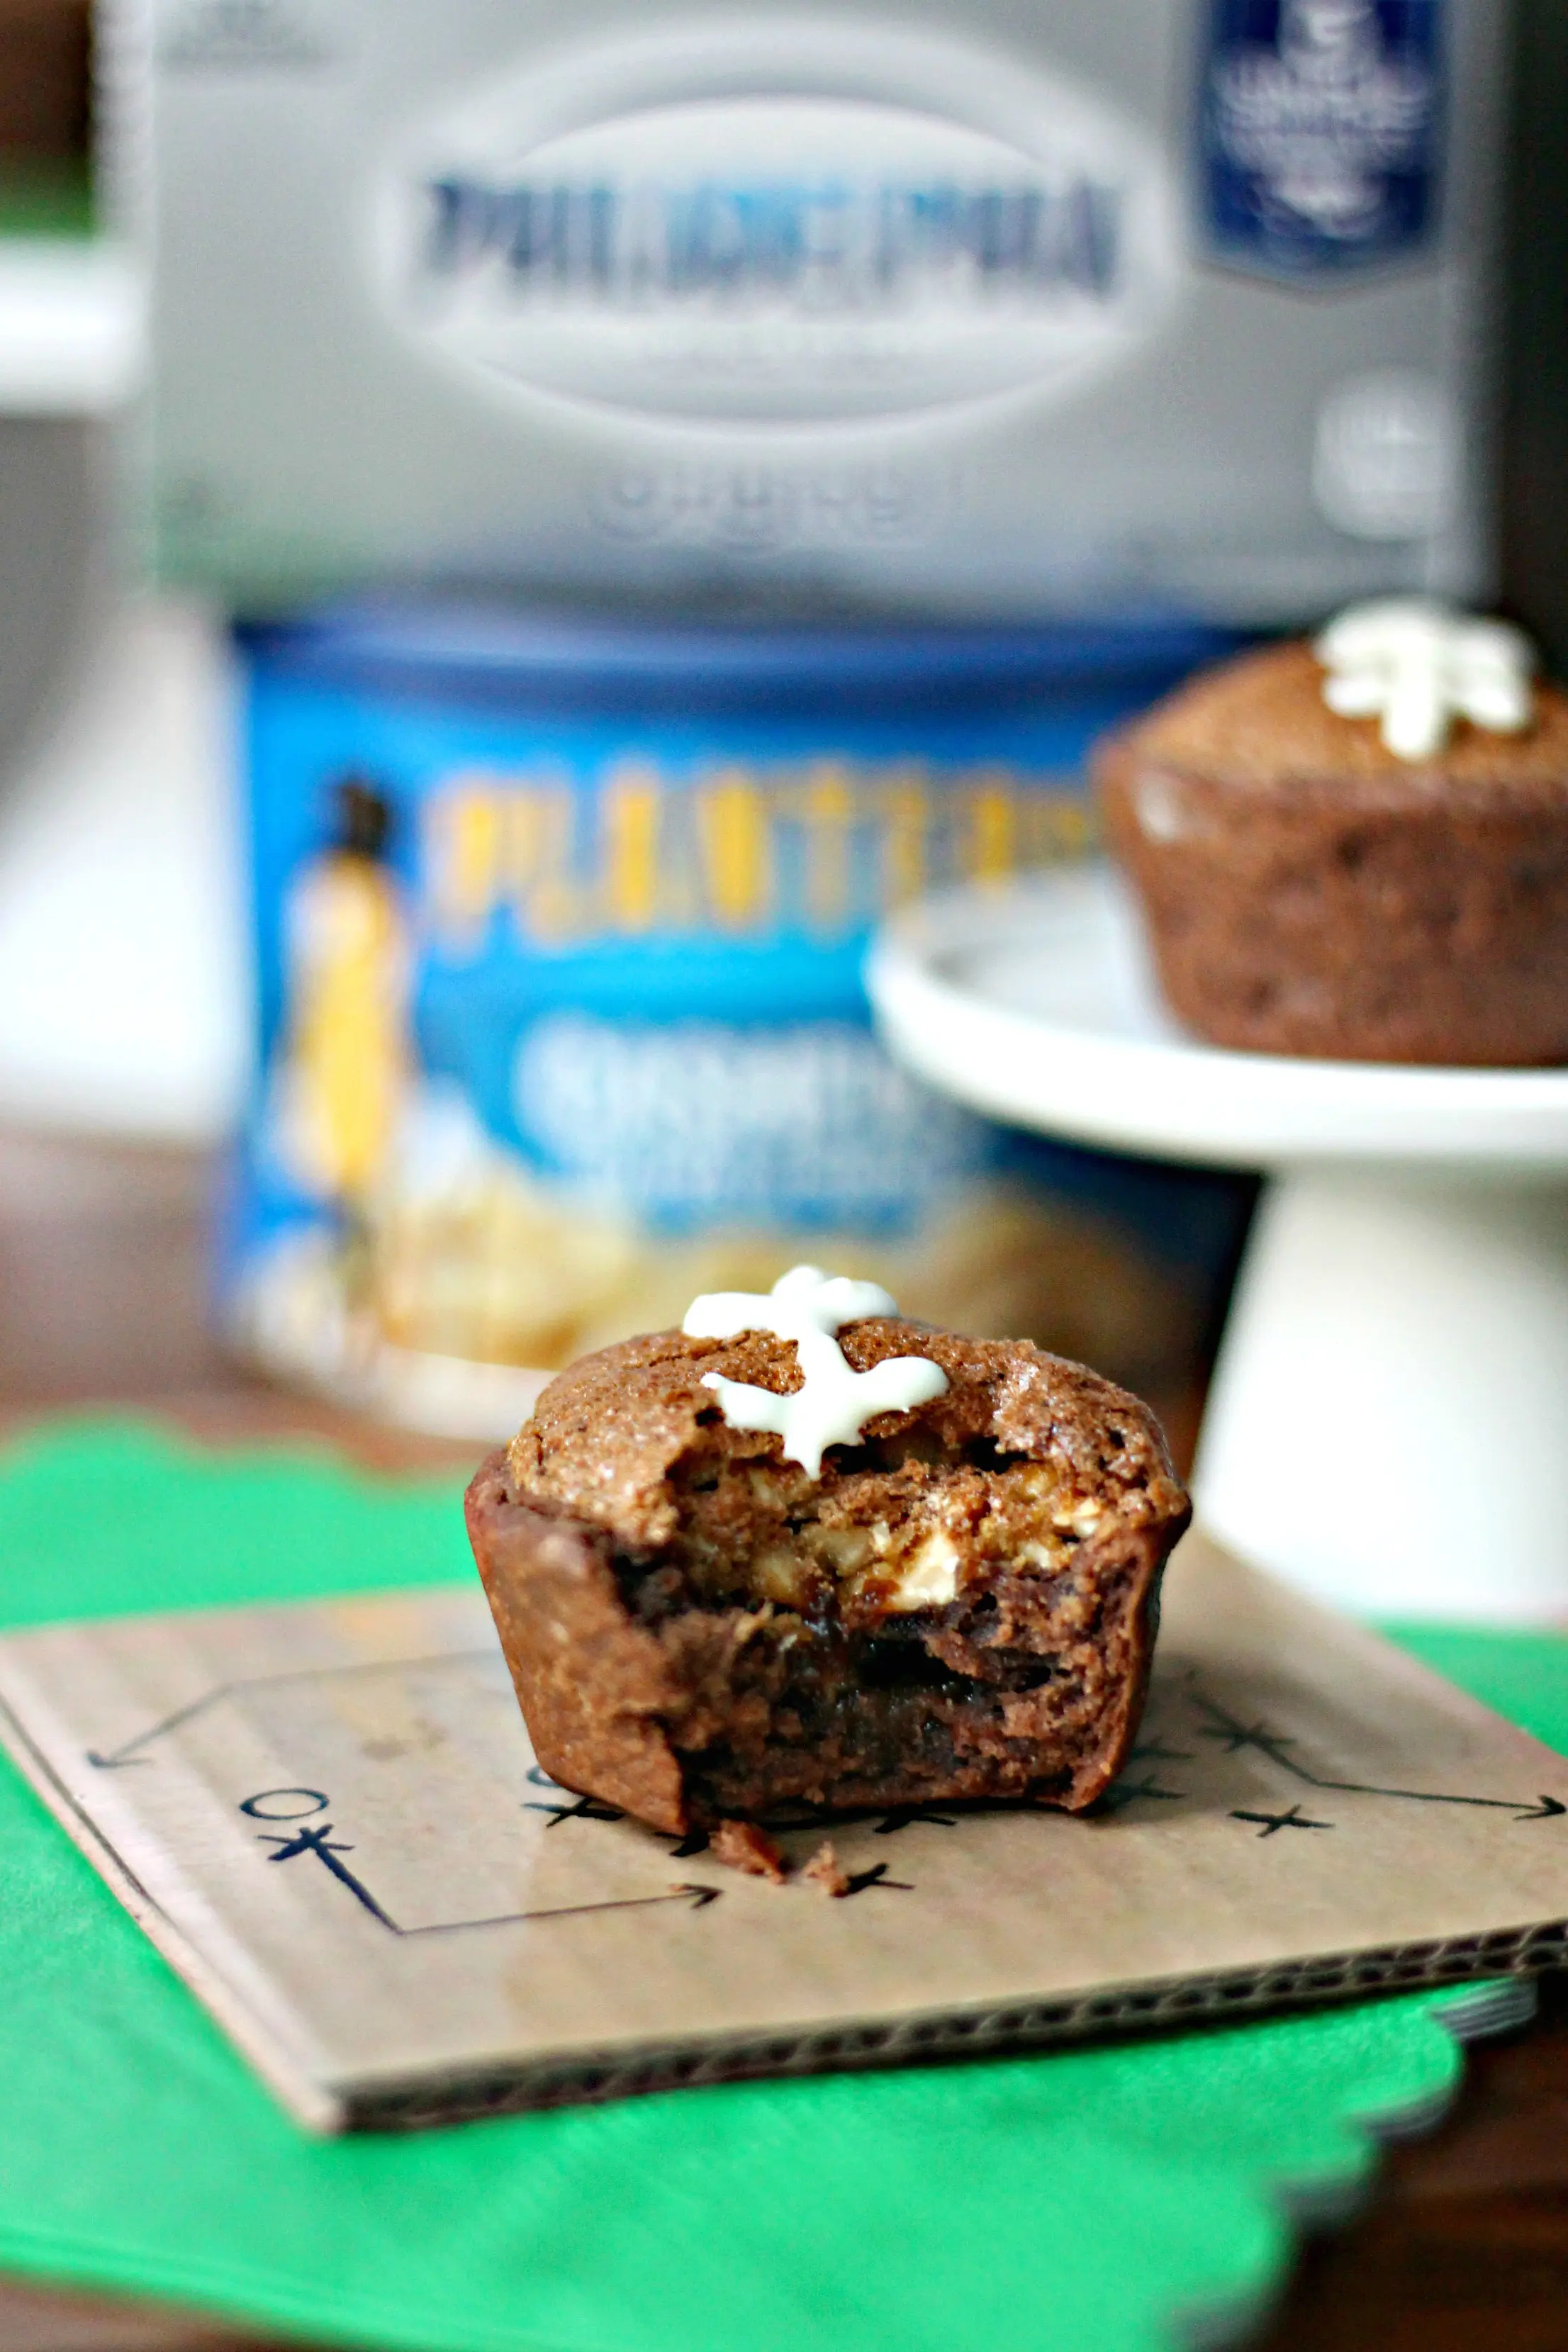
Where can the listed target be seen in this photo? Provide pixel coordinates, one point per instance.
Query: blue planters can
(559, 927)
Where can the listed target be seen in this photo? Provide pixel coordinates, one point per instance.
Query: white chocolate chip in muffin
(929, 1576)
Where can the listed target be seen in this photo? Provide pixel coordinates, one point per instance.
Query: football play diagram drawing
(330, 1819)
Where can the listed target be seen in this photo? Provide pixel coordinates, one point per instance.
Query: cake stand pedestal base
(1388, 1425)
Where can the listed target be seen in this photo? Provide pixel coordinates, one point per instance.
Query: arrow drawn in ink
(699, 1897)
(116, 1759)
(1236, 1735)
(317, 1839)
(119, 1758)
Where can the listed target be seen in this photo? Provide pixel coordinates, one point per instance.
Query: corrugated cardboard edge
(1511, 1955)
(593, 2075)
(288, 2075)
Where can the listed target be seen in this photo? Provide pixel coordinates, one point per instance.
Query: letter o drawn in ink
(265, 1807)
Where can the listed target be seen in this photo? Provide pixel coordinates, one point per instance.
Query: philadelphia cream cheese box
(998, 308)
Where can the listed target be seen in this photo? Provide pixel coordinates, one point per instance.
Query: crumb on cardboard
(825, 1870)
(743, 1846)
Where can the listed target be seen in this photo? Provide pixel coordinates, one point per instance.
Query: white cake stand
(1388, 1425)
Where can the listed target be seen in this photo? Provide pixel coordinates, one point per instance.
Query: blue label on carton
(630, 966)
(1321, 125)
(562, 1019)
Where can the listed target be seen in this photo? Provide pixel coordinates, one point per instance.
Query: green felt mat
(1088, 2199)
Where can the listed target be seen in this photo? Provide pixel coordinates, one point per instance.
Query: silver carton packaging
(1109, 304)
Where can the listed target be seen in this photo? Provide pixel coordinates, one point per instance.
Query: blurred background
(523, 531)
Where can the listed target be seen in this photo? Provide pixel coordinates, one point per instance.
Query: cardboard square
(329, 1818)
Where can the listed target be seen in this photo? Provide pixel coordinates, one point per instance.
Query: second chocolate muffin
(1310, 892)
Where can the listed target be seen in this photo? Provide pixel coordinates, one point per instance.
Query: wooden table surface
(1464, 2242)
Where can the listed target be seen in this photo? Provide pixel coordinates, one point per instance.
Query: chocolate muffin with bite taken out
(826, 1559)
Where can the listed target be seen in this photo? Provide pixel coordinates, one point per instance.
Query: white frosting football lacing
(834, 1401)
(1419, 665)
